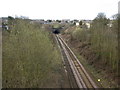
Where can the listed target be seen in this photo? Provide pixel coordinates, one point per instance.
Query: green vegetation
(30, 59)
(81, 34)
(103, 40)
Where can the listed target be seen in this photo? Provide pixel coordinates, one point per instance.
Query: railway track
(82, 78)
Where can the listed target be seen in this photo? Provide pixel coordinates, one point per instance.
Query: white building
(77, 23)
(88, 25)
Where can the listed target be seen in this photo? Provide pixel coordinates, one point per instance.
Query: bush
(104, 42)
(103, 39)
(81, 34)
(28, 56)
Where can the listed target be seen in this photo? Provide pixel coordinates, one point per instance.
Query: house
(5, 23)
(77, 23)
(65, 21)
(87, 23)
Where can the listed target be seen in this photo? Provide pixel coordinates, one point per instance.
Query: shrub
(81, 34)
(103, 39)
(29, 58)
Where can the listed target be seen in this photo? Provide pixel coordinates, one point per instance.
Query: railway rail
(82, 78)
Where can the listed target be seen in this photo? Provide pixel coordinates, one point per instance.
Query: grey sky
(58, 9)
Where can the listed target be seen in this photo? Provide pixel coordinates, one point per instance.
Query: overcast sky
(58, 9)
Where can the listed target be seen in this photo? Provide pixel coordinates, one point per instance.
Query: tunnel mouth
(56, 32)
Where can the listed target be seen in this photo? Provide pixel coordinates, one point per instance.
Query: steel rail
(82, 77)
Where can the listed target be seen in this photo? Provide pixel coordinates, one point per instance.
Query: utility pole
(0, 53)
(118, 42)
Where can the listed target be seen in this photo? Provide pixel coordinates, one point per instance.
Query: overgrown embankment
(29, 57)
(98, 45)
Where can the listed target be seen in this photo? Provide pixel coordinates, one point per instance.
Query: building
(77, 23)
(65, 21)
(87, 23)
